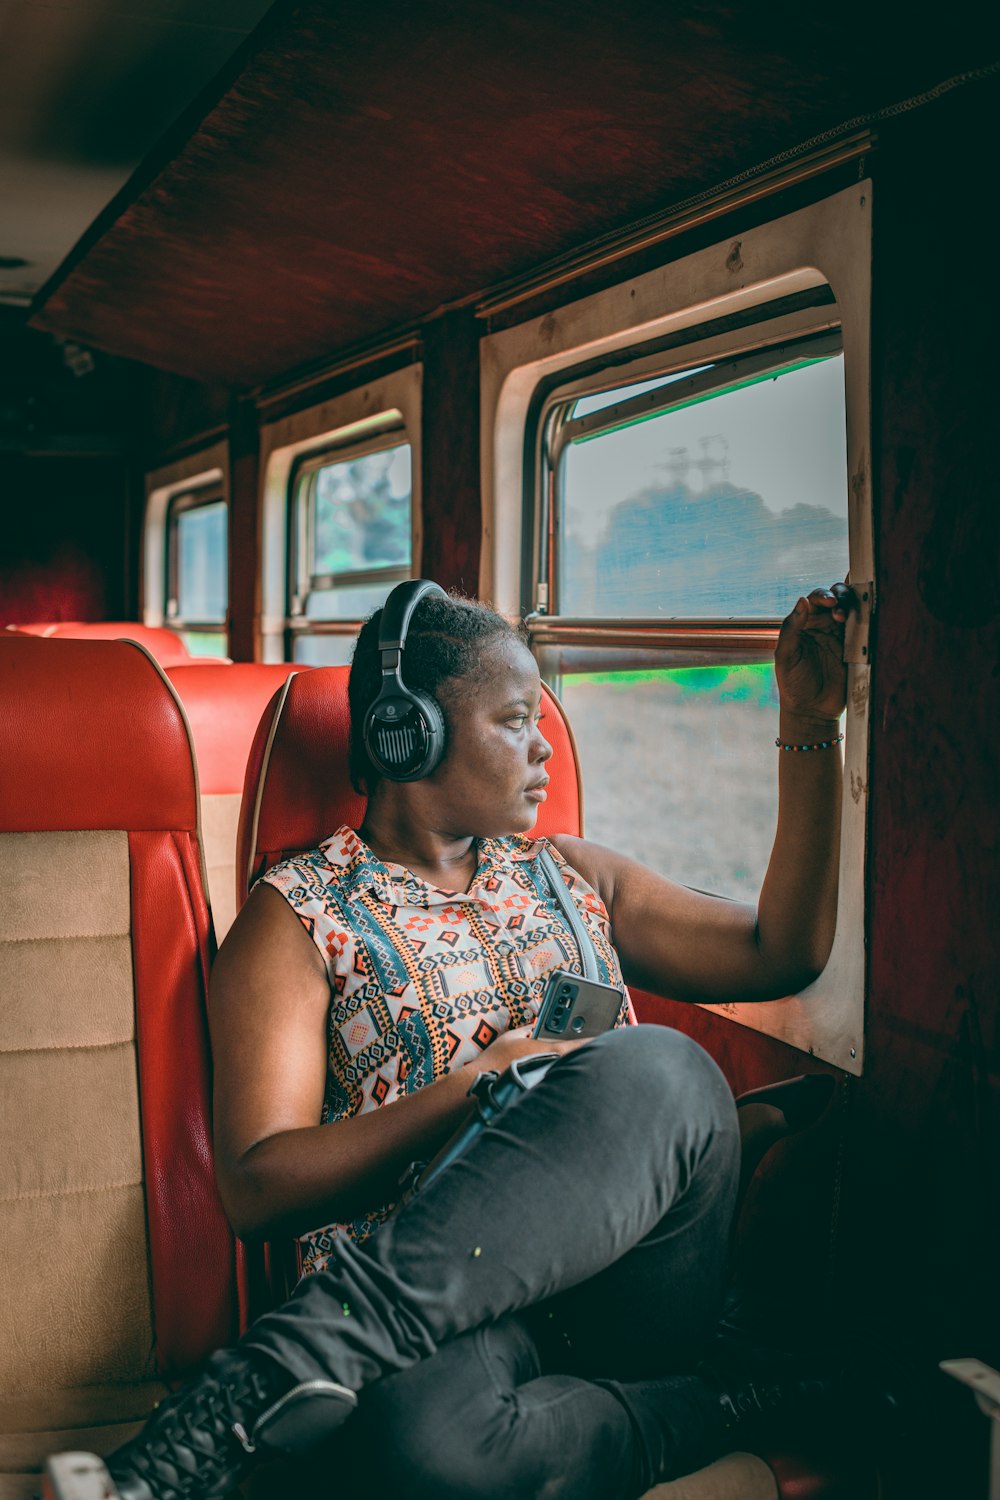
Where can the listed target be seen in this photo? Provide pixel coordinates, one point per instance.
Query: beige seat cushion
(76, 1329)
(220, 817)
(97, 1419)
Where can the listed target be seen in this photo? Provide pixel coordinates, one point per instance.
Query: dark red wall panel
(66, 552)
(923, 1187)
(452, 507)
(244, 531)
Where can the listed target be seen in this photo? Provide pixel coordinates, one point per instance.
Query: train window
(351, 520)
(668, 464)
(341, 512)
(714, 495)
(676, 765)
(185, 544)
(719, 492)
(197, 583)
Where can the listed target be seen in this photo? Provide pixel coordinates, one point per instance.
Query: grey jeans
(520, 1328)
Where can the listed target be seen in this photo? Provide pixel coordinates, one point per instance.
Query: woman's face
(492, 779)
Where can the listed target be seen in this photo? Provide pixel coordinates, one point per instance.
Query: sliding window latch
(856, 633)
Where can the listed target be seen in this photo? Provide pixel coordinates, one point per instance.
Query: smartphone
(573, 1007)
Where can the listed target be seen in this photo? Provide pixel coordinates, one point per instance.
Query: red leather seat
(117, 1267)
(165, 646)
(224, 703)
(298, 791)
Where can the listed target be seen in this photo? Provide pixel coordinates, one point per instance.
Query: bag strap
(588, 953)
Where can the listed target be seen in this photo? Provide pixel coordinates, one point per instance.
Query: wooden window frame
(339, 423)
(557, 430)
(795, 274)
(302, 581)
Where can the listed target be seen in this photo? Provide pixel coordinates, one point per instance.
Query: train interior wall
(889, 1233)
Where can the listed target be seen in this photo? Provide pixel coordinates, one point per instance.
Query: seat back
(163, 645)
(224, 703)
(298, 789)
(297, 792)
(117, 1265)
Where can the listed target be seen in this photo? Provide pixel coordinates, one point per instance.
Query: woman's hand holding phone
(597, 1005)
(518, 1042)
(577, 1007)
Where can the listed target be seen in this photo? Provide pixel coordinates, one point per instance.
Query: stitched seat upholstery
(224, 703)
(117, 1266)
(165, 646)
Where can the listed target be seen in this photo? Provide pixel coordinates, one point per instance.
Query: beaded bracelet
(820, 744)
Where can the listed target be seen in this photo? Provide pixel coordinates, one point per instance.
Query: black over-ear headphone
(404, 730)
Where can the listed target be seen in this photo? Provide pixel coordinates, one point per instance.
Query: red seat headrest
(164, 645)
(91, 736)
(224, 703)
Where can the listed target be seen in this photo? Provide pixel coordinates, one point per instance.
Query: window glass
(197, 590)
(349, 601)
(322, 650)
(680, 769)
(352, 527)
(204, 642)
(201, 585)
(728, 506)
(360, 514)
(344, 602)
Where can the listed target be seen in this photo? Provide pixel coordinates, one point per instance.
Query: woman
(366, 985)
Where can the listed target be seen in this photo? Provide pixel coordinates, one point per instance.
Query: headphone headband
(399, 608)
(397, 611)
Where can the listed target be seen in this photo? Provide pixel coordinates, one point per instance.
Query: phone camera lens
(576, 1024)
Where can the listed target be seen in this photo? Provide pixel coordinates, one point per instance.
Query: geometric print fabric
(422, 980)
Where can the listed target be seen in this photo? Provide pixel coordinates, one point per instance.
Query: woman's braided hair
(445, 639)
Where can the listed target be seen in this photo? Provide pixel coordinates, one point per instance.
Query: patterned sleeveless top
(422, 980)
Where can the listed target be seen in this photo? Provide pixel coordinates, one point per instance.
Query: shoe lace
(190, 1443)
(751, 1400)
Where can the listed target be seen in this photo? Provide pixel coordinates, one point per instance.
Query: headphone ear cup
(436, 735)
(404, 734)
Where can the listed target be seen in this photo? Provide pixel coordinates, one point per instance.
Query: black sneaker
(197, 1444)
(759, 1410)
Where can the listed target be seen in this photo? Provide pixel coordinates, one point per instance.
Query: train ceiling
(87, 87)
(372, 162)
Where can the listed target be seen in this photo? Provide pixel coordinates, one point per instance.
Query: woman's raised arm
(690, 946)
